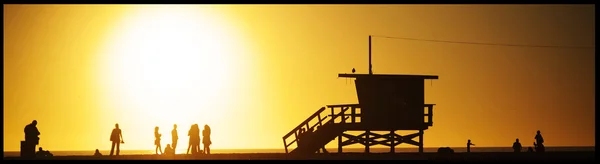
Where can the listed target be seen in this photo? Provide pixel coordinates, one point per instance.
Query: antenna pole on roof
(370, 66)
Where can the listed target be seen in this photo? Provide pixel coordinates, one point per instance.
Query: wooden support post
(285, 144)
(367, 144)
(421, 141)
(332, 116)
(342, 120)
(353, 113)
(430, 112)
(392, 143)
(319, 117)
(340, 144)
(297, 139)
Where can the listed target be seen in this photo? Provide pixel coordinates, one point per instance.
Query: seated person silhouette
(517, 146)
(169, 150)
(529, 149)
(43, 153)
(97, 153)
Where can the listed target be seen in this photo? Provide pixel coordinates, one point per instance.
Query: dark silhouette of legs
(174, 145)
(206, 149)
(158, 148)
(118, 147)
(188, 149)
(112, 148)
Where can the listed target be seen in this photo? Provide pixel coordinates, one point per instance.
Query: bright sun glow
(170, 64)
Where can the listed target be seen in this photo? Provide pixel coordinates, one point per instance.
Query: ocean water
(331, 150)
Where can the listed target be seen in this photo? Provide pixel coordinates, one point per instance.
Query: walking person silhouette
(206, 141)
(157, 140)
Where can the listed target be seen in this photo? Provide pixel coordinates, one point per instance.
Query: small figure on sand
(174, 137)
(43, 153)
(539, 147)
(117, 139)
(97, 153)
(169, 150)
(157, 140)
(469, 146)
(529, 149)
(206, 141)
(517, 146)
(445, 150)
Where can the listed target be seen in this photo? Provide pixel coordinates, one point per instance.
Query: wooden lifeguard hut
(387, 103)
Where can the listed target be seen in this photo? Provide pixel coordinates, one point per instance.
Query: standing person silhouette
(206, 141)
(157, 140)
(117, 138)
(196, 134)
(194, 142)
(191, 141)
(174, 137)
(32, 134)
(469, 146)
(540, 142)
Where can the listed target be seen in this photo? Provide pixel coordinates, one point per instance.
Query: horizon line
(325, 147)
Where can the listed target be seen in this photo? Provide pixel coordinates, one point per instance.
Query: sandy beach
(570, 156)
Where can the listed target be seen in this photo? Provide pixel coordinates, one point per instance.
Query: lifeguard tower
(387, 103)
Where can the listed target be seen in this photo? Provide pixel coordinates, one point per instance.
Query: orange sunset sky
(254, 72)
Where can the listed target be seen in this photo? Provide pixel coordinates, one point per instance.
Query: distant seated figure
(169, 150)
(530, 149)
(97, 153)
(445, 150)
(517, 146)
(43, 153)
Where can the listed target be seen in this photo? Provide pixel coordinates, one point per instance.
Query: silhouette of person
(517, 146)
(206, 141)
(529, 149)
(469, 146)
(540, 142)
(194, 134)
(157, 140)
(117, 139)
(97, 153)
(174, 137)
(191, 141)
(196, 146)
(32, 134)
(169, 150)
(43, 153)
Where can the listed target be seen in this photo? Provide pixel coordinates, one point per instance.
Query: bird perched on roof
(353, 70)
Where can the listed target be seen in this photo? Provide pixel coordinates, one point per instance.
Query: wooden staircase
(322, 129)
(318, 134)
